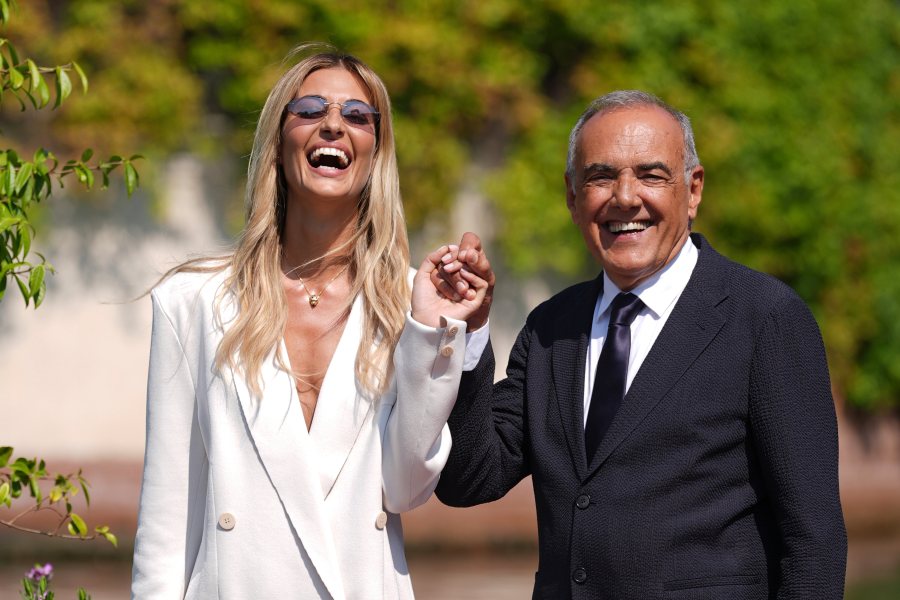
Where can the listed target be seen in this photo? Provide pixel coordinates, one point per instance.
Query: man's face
(629, 196)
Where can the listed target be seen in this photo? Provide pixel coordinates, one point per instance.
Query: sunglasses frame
(326, 106)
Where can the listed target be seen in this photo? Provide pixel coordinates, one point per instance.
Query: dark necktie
(612, 371)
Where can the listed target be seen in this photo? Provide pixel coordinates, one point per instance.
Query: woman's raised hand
(454, 281)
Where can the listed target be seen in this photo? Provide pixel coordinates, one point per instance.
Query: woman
(294, 406)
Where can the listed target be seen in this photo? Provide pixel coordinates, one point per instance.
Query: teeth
(617, 227)
(328, 151)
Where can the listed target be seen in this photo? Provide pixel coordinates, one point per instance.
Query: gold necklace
(314, 297)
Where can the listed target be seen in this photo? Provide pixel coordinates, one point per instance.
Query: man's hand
(458, 273)
(458, 293)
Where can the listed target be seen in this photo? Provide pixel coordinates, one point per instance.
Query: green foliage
(795, 106)
(36, 583)
(58, 491)
(25, 183)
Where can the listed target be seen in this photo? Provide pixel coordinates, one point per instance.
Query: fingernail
(447, 257)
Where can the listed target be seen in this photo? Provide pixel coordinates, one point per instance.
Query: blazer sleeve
(489, 453)
(794, 431)
(165, 544)
(427, 364)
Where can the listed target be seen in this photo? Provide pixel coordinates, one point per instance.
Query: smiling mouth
(333, 158)
(620, 227)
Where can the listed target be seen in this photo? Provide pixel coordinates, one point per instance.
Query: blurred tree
(795, 108)
(23, 184)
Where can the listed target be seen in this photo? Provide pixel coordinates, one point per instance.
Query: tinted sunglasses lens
(308, 108)
(359, 113)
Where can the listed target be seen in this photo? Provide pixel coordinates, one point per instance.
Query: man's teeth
(328, 151)
(618, 227)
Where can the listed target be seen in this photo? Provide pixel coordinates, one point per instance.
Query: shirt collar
(660, 290)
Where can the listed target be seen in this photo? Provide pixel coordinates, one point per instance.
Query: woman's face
(330, 158)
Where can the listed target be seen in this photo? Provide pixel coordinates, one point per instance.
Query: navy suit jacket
(718, 475)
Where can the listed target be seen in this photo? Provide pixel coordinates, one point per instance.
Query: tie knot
(624, 308)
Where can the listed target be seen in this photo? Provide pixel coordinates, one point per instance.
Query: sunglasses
(314, 108)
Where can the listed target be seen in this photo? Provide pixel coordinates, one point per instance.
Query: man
(681, 438)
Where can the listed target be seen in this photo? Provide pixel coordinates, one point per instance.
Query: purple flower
(39, 572)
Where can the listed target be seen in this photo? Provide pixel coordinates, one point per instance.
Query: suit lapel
(569, 353)
(341, 409)
(694, 322)
(278, 430)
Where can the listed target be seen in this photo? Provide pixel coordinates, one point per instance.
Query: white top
(659, 294)
(239, 500)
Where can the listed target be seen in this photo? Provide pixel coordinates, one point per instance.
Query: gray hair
(632, 99)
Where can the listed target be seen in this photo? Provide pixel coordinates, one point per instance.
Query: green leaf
(22, 288)
(86, 155)
(16, 79)
(25, 232)
(63, 86)
(7, 222)
(36, 281)
(13, 55)
(5, 454)
(34, 73)
(43, 93)
(23, 176)
(41, 293)
(78, 522)
(56, 494)
(35, 490)
(131, 178)
(4, 10)
(84, 488)
(111, 538)
(4, 492)
(82, 76)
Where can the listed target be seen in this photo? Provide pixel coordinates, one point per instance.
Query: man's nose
(625, 191)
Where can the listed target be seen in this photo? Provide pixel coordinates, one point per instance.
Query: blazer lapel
(569, 354)
(694, 322)
(278, 430)
(342, 408)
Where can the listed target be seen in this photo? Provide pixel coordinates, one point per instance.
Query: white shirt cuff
(476, 342)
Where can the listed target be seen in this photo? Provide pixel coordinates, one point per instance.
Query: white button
(226, 521)
(447, 351)
(453, 330)
(381, 520)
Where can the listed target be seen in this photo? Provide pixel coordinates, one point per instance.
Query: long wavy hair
(378, 251)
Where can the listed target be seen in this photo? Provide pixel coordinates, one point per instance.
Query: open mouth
(623, 227)
(331, 158)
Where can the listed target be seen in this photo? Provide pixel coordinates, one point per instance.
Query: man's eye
(653, 178)
(600, 178)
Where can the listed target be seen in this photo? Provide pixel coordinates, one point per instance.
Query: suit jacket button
(447, 351)
(583, 501)
(579, 575)
(381, 520)
(226, 521)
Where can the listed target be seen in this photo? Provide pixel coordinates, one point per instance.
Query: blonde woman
(299, 389)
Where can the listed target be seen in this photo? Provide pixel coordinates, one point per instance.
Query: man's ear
(695, 186)
(570, 195)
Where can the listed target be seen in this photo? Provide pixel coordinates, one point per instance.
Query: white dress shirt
(659, 294)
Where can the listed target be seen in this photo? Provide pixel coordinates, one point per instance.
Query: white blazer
(240, 501)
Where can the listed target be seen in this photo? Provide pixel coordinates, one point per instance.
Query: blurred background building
(795, 107)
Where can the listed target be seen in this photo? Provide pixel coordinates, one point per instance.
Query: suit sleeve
(416, 443)
(489, 454)
(795, 435)
(165, 544)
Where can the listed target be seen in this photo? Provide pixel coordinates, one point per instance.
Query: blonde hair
(378, 248)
